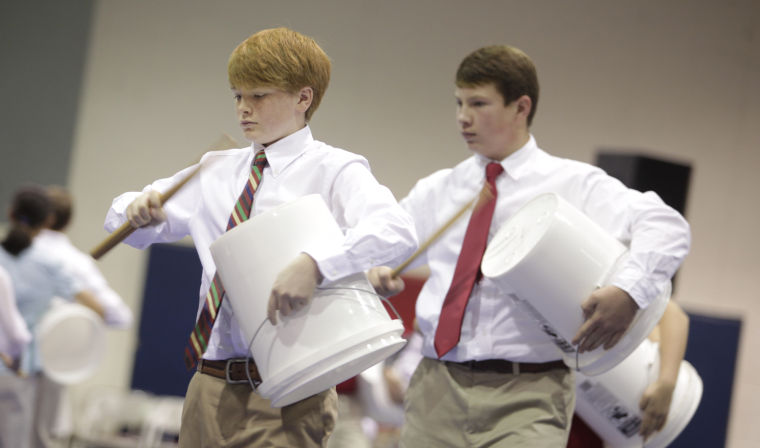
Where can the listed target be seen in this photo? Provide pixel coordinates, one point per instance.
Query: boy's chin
(476, 148)
(487, 153)
(255, 141)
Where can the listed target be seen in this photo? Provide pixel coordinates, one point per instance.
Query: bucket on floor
(343, 331)
(609, 403)
(550, 257)
(71, 340)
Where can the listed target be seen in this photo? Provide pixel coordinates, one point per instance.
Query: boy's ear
(305, 97)
(524, 105)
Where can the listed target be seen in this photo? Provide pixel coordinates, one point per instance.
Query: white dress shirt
(13, 332)
(37, 278)
(82, 266)
(376, 229)
(493, 327)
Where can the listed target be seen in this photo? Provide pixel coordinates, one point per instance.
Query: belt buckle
(227, 371)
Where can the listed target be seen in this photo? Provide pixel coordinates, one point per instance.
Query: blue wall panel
(712, 350)
(168, 314)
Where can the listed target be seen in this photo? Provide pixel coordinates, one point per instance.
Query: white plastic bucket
(609, 403)
(71, 340)
(550, 257)
(344, 330)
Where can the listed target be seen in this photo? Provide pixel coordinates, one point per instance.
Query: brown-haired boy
(278, 78)
(499, 381)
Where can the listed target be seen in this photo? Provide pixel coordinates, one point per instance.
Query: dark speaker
(669, 179)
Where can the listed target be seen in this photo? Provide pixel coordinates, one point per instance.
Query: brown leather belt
(231, 370)
(504, 366)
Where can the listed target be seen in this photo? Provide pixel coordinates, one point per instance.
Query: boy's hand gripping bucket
(551, 257)
(609, 403)
(343, 331)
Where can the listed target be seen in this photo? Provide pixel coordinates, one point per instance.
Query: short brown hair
(281, 58)
(30, 210)
(62, 206)
(510, 70)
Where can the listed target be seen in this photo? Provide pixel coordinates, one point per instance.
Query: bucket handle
(382, 299)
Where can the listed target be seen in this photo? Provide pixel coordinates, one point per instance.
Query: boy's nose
(243, 107)
(463, 118)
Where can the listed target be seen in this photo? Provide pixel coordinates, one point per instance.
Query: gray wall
(680, 79)
(43, 45)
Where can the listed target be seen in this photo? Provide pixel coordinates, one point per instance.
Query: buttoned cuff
(332, 264)
(641, 290)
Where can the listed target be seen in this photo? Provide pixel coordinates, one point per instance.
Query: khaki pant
(217, 414)
(449, 405)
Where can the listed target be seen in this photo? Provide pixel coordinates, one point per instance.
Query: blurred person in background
(54, 421)
(37, 277)
(13, 332)
(81, 264)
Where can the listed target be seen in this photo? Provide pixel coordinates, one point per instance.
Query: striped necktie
(241, 212)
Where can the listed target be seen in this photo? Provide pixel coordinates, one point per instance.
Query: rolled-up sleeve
(179, 210)
(657, 236)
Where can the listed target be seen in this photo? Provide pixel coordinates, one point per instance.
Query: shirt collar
(283, 152)
(517, 163)
(51, 235)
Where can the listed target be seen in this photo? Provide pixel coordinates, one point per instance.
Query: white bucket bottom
(334, 365)
(71, 342)
(344, 331)
(609, 403)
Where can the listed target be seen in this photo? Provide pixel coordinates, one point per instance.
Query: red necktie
(467, 270)
(240, 212)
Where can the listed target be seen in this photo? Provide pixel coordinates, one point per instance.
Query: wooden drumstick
(126, 229)
(483, 196)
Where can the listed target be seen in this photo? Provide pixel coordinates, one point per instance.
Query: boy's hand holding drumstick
(386, 280)
(148, 208)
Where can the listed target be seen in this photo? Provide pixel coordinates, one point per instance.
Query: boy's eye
(236, 97)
